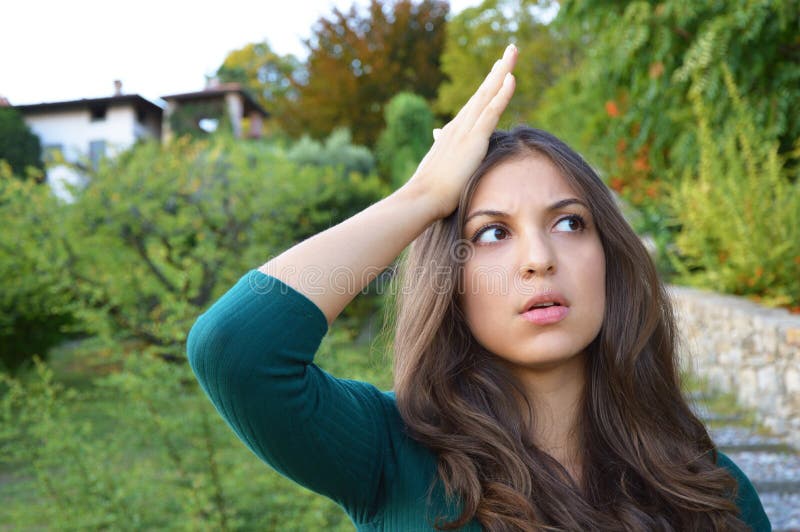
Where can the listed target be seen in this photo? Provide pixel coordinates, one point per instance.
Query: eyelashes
(495, 225)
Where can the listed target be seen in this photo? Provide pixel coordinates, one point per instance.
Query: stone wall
(745, 349)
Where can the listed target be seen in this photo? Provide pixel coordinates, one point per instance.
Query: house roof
(125, 99)
(216, 91)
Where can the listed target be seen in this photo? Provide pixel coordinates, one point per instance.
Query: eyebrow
(554, 207)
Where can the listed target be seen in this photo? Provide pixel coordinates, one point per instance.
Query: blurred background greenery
(687, 110)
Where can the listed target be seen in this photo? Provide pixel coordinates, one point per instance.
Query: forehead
(531, 181)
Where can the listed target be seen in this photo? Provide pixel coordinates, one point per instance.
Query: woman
(535, 366)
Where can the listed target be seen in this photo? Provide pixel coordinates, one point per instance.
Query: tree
(407, 137)
(19, 146)
(476, 38)
(271, 78)
(161, 231)
(358, 61)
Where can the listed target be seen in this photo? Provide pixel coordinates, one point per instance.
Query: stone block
(793, 336)
(792, 381)
(748, 386)
(768, 384)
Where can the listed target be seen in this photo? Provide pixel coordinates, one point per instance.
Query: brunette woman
(536, 373)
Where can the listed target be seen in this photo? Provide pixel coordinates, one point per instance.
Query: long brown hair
(648, 461)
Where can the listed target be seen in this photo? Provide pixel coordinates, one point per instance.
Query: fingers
(490, 116)
(436, 133)
(490, 87)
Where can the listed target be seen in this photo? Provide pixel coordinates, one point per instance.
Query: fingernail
(510, 48)
(496, 64)
(508, 78)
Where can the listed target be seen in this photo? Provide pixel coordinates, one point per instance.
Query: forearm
(332, 267)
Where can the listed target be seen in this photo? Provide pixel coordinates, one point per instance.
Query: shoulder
(747, 499)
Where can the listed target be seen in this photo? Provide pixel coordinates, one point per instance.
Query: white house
(83, 131)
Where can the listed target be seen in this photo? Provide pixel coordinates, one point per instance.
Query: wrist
(430, 206)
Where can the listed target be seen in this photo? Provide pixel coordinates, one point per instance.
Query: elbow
(204, 345)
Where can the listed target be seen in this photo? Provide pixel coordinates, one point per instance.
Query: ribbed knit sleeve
(252, 352)
(747, 499)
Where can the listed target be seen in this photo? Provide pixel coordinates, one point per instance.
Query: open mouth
(546, 313)
(544, 305)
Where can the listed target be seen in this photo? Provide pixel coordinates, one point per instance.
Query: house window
(98, 112)
(209, 125)
(97, 150)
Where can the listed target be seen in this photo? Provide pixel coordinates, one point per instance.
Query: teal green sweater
(253, 353)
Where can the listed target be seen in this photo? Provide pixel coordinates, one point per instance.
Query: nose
(536, 256)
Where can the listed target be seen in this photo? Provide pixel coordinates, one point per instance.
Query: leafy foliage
(186, 119)
(160, 232)
(272, 78)
(143, 449)
(740, 214)
(626, 105)
(407, 137)
(358, 61)
(338, 151)
(19, 146)
(477, 36)
(35, 293)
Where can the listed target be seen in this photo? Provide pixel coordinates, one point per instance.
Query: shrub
(35, 292)
(338, 151)
(407, 137)
(19, 146)
(161, 232)
(739, 214)
(145, 450)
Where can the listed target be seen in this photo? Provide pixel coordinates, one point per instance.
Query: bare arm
(332, 267)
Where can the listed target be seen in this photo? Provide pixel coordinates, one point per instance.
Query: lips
(548, 314)
(546, 296)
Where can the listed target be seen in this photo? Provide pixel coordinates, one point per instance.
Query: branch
(683, 33)
(206, 286)
(138, 244)
(170, 250)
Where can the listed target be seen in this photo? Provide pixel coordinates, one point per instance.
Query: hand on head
(460, 146)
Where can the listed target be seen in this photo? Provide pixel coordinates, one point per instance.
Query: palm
(461, 145)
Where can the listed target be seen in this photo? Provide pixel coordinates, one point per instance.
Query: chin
(543, 362)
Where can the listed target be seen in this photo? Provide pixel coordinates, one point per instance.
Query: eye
(485, 234)
(575, 222)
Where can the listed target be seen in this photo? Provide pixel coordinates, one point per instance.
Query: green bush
(739, 213)
(144, 449)
(337, 151)
(407, 137)
(35, 292)
(161, 232)
(186, 119)
(19, 146)
(156, 236)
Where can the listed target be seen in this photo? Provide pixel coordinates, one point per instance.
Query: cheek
(596, 285)
(489, 274)
(485, 297)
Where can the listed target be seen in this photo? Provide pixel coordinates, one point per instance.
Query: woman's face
(524, 247)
